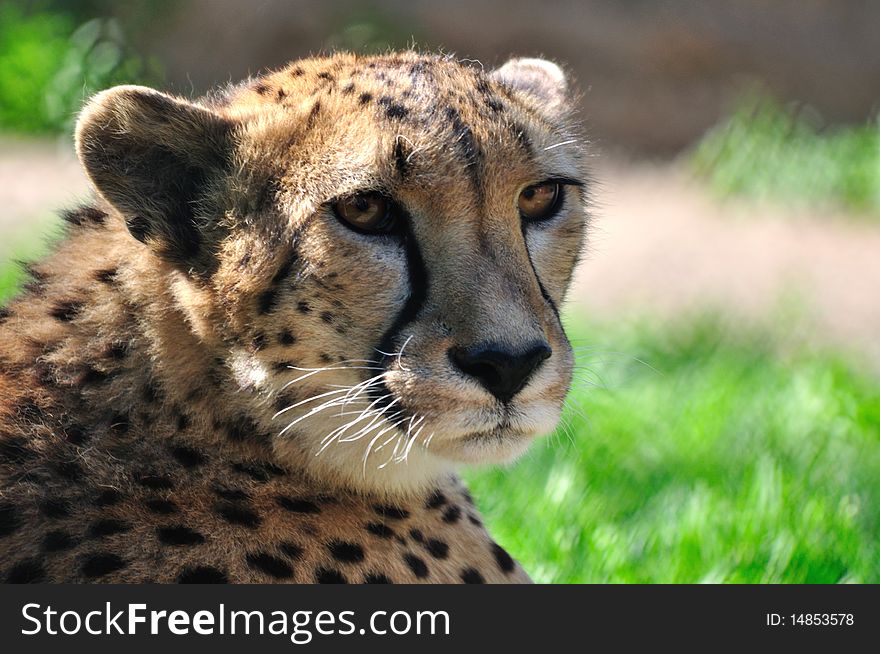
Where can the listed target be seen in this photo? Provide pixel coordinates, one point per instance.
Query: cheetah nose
(499, 369)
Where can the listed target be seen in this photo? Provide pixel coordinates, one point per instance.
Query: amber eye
(538, 201)
(367, 212)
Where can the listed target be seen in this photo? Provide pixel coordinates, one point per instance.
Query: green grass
(766, 151)
(51, 61)
(724, 461)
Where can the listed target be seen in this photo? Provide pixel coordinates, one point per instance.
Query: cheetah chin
(292, 309)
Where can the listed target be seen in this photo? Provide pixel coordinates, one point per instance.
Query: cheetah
(291, 312)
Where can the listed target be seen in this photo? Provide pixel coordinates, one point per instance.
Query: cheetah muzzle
(294, 307)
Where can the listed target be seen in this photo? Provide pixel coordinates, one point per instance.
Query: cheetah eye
(539, 201)
(367, 212)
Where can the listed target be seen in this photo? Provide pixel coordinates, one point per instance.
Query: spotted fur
(158, 374)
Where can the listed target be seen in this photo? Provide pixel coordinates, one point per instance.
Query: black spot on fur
(348, 89)
(282, 367)
(271, 565)
(417, 535)
(471, 576)
(232, 494)
(327, 76)
(380, 530)
(202, 574)
(297, 505)
(365, 98)
(393, 109)
(303, 307)
(327, 317)
(346, 552)
(179, 535)
(437, 548)
(297, 72)
(417, 565)
(54, 508)
(313, 114)
(467, 144)
(155, 482)
(267, 300)
(29, 571)
(452, 514)
(238, 515)
(108, 497)
(259, 341)
(392, 512)
(261, 88)
(117, 351)
(401, 157)
(376, 578)
(84, 216)
(100, 564)
(329, 576)
(286, 338)
(67, 310)
(14, 449)
(292, 550)
(182, 421)
(258, 471)
(9, 521)
(5, 313)
(93, 376)
(436, 500)
(160, 506)
(325, 358)
(107, 275)
(57, 541)
(187, 456)
(504, 560)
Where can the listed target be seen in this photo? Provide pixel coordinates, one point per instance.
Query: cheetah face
(377, 248)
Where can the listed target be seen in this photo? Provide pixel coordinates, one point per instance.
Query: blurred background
(725, 420)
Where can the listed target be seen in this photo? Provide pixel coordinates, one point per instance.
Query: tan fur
(145, 395)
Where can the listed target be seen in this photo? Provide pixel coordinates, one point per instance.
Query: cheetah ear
(154, 158)
(541, 79)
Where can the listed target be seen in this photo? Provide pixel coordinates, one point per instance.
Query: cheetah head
(375, 247)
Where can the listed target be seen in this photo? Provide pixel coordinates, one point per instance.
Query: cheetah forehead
(420, 100)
